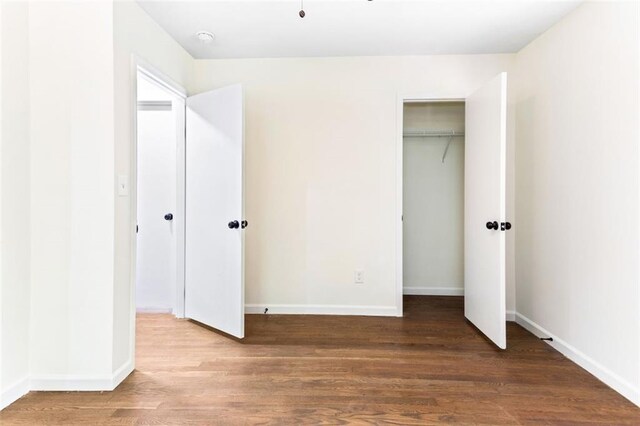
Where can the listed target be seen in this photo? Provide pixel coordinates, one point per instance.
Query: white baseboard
(63, 382)
(605, 375)
(381, 311)
(384, 311)
(433, 291)
(122, 373)
(14, 392)
(152, 310)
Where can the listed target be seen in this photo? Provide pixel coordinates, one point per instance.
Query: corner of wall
(15, 220)
(604, 374)
(577, 285)
(13, 392)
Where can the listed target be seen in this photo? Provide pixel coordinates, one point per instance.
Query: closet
(433, 198)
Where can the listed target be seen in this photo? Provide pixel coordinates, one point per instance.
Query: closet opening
(433, 156)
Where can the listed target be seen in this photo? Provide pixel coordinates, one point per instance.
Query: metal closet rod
(432, 133)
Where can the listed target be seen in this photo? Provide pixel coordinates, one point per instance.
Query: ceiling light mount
(205, 37)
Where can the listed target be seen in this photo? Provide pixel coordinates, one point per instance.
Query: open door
(484, 217)
(214, 253)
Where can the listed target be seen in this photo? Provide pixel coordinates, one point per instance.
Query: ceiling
(264, 29)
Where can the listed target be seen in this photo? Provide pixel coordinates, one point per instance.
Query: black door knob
(244, 224)
(234, 224)
(492, 225)
(168, 216)
(505, 226)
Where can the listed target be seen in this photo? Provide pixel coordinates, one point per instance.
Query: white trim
(14, 392)
(399, 202)
(434, 291)
(401, 99)
(150, 72)
(153, 310)
(180, 221)
(380, 311)
(133, 202)
(121, 374)
(63, 382)
(511, 316)
(155, 75)
(637, 399)
(608, 377)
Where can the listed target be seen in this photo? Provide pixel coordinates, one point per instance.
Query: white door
(214, 256)
(156, 243)
(484, 197)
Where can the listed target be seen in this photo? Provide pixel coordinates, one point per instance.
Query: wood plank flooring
(430, 367)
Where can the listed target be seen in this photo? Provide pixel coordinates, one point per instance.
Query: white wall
(65, 100)
(577, 189)
(72, 186)
(14, 196)
(134, 33)
(321, 170)
(433, 201)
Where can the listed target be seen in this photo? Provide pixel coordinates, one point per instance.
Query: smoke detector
(205, 37)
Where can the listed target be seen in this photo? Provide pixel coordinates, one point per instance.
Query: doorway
(159, 197)
(433, 196)
(434, 202)
(188, 168)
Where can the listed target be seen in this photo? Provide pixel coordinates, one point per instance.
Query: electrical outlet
(358, 276)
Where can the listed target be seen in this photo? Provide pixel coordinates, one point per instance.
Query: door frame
(403, 98)
(139, 65)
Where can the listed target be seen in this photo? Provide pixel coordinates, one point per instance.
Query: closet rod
(434, 134)
(431, 134)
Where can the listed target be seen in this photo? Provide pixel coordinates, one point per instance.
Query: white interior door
(214, 256)
(484, 196)
(156, 238)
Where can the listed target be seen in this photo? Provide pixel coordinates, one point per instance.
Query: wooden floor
(429, 367)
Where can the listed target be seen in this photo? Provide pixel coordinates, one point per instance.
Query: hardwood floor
(429, 367)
